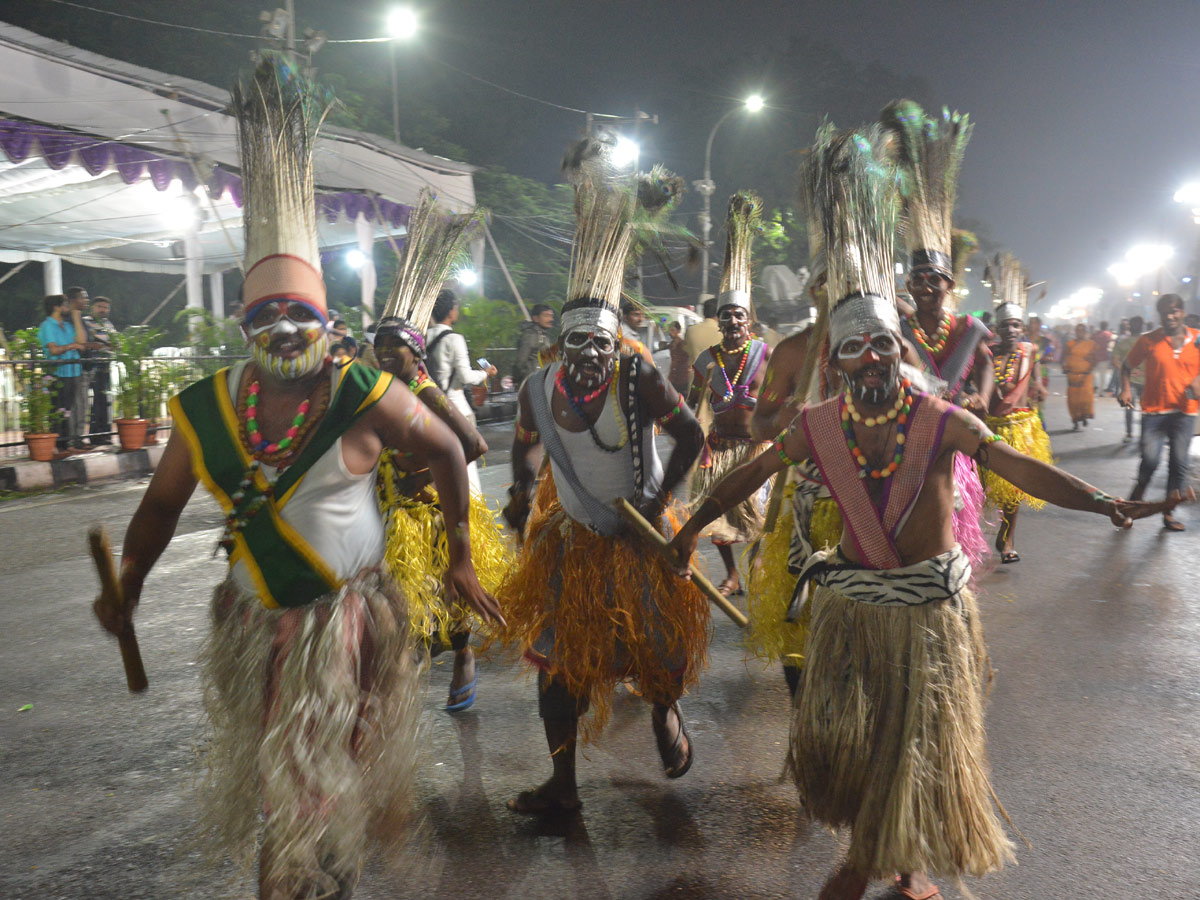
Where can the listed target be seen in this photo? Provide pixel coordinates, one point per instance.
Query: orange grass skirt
(591, 611)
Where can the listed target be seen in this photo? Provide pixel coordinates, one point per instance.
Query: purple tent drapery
(58, 148)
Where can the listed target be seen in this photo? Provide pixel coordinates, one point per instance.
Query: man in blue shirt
(62, 336)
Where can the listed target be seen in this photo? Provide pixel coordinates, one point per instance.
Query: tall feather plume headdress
(279, 112)
(658, 192)
(742, 223)
(851, 187)
(435, 243)
(1010, 289)
(606, 197)
(928, 153)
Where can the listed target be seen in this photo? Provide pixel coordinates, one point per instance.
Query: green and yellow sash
(285, 568)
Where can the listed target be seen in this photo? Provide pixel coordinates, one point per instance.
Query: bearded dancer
(1017, 388)
(887, 731)
(588, 604)
(309, 681)
(732, 371)
(928, 153)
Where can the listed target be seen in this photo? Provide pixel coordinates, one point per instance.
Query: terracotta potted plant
(131, 351)
(39, 414)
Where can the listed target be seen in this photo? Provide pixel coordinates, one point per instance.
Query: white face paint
(287, 341)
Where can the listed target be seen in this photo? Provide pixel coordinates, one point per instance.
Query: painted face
(734, 322)
(396, 357)
(929, 287)
(1010, 331)
(589, 357)
(873, 374)
(287, 339)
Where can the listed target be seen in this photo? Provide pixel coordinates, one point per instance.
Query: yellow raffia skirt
(770, 636)
(1023, 431)
(591, 611)
(416, 554)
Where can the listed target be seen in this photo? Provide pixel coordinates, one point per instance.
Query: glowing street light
(403, 23)
(706, 188)
(467, 278)
(355, 259)
(1139, 260)
(625, 153)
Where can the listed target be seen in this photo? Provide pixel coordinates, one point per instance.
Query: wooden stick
(111, 596)
(647, 532)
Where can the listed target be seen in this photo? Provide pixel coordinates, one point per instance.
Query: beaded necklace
(943, 333)
(865, 469)
(1005, 367)
(560, 383)
(730, 382)
(248, 500)
(872, 421)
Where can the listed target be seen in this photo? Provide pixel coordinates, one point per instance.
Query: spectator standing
(1131, 331)
(703, 334)
(449, 363)
(98, 370)
(1102, 370)
(62, 337)
(1171, 356)
(680, 373)
(1079, 360)
(533, 340)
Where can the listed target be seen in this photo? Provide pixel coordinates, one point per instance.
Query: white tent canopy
(107, 164)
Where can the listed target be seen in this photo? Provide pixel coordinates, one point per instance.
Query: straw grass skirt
(313, 716)
(1024, 432)
(744, 522)
(888, 736)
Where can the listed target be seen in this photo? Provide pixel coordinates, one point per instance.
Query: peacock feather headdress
(606, 196)
(742, 223)
(928, 153)
(279, 111)
(1010, 289)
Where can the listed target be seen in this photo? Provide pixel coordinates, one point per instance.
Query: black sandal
(671, 752)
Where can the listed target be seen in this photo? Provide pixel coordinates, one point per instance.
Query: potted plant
(39, 413)
(131, 351)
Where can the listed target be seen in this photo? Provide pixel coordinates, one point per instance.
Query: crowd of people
(850, 457)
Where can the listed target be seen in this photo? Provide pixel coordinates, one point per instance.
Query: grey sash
(954, 370)
(604, 519)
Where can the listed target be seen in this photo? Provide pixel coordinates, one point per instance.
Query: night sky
(1086, 118)
(1086, 113)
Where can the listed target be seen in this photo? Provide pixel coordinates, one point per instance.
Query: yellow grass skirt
(592, 610)
(888, 735)
(416, 556)
(770, 636)
(1023, 431)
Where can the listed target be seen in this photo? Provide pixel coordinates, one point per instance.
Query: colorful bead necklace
(560, 383)
(263, 447)
(730, 382)
(943, 333)
(872, 421)
(1005, 367)
(865, 469)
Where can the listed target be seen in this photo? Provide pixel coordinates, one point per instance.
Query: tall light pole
(706, 188)
(402, 25)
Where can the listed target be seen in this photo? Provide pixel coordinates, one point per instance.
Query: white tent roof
(100, 220)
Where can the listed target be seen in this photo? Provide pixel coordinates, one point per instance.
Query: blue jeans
(1174, 428)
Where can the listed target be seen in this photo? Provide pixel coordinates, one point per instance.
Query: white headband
(862, 314)
(734, 298)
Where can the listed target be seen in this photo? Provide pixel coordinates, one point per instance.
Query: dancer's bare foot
(464, 670)
(845, 884)
(916, 886)
(555, 796)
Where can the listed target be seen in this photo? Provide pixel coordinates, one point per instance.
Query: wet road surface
(1094, 730)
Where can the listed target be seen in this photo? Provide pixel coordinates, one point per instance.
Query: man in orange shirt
(1171, 358)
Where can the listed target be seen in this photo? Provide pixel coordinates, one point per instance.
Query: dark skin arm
(526, 460)
(981, 379)
(151, 528)
(776, 407)
(658, 399)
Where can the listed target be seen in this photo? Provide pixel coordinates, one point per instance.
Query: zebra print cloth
(932, 580)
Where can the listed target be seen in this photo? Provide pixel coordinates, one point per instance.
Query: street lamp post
(706, 187)
(402, 25)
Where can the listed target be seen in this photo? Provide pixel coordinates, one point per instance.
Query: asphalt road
(1094, 732)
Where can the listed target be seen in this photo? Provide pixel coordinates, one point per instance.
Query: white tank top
(606, 476)
(333, 509)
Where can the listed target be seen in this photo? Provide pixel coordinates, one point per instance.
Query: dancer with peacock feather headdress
(587, 605)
